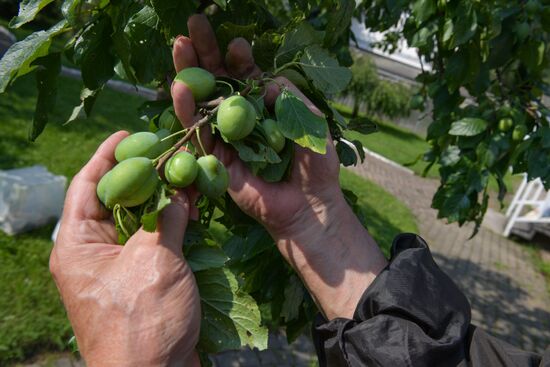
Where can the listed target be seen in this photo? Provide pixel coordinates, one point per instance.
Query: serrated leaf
(244, 247)
(324, 70)
(46, 83)
(27, 11)
(363, 125)
(203, 257)
(17, 61)
(173, 14)
(153, 207)
(276, 172)
(296, 40)
(468, 126)
(230, 318)
(299, 124)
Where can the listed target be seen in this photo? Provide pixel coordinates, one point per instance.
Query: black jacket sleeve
(413, 315)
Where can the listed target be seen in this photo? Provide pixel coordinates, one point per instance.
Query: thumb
(171, 226)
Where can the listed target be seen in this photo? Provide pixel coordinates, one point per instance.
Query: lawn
(32, 318)
(403, 146)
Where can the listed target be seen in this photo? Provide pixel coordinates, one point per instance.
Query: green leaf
(294, 297)
(363, 125)
(27, 11)
(324, 71)
(173, 14)
(275, 172)
(450, 156)
(299, 124)
(126, 223)
(423, 10)
(244, 247)
(346, 154)
(46, 83)
(221, 3)
(150, 56)
(230, 318)
(19, 57)
(359, 148)
(260, 153)
(339, 21)
(468, 126)
(465, 25)
(204, 257)
(92, 52)
(84, 109)
(153, 207)
(296, 40)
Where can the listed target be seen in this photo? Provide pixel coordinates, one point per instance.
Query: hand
(307, 215)
(131, 305)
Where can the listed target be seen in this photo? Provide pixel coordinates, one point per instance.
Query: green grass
(540, 264)
(32, 318)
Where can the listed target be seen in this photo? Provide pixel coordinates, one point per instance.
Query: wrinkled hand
(307, 215)
(314, 178)
(135, 305)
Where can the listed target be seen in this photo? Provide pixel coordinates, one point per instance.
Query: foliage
(487, 63)
(380, 96)
(132, 40)
(33, 318)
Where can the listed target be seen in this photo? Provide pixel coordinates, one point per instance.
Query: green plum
(519, 133)
(212, 177)
(169, 121)
(273, 134)
(181, 170)
(505, 124)
(142, 144)
(236, 118)
(130, 183)
(201, 82)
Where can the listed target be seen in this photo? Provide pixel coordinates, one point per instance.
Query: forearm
(334, 255)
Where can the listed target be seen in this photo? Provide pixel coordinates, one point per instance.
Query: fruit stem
(200, 140)
(157, 159)
(202, 122)
(226, 83)
(213, 103)
(174, 134)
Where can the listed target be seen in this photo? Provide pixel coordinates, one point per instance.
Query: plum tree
(130, 183)
(212, 177)
(236, 118)
(181, 169)
(201, 82)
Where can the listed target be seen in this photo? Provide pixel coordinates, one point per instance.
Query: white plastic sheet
(29, 198)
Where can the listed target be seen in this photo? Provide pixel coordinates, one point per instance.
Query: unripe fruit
(142, 144)
(519, 133)
(169, 121)
(201, 82)
(273, 134)
(212, 177)
(181, 170)
(236, 118)
(129, 183)
(505, 124)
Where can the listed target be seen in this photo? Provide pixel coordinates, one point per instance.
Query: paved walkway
(508, 296)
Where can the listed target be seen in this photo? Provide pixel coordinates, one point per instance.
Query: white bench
(530, 196)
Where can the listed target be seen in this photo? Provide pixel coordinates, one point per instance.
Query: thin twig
(213, 103)
(202, 122)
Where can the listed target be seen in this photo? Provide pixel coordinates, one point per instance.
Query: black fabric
(413, 315)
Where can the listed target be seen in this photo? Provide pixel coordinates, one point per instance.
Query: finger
(171, 227)
(81, 202)
(274, 89)
(183, 54)
(184, 106)
(239, 59)
(205, 44)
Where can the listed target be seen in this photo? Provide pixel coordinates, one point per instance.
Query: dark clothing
(413, 315)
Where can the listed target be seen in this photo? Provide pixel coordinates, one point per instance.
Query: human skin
(314, 228)
(136, 305)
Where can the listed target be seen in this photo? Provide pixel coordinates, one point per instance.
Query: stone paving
(508, 297)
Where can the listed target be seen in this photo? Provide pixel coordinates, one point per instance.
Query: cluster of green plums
(236, 116)
(135, 178)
